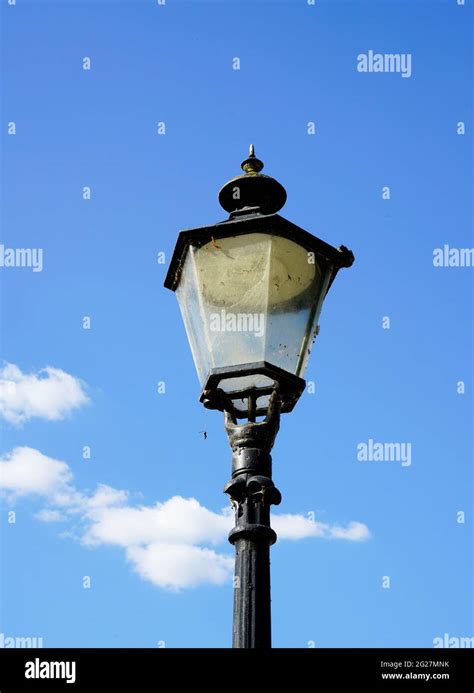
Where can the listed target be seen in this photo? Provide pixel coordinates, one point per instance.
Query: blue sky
(98, 128)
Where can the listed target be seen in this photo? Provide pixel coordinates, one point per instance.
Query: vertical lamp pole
(250, 290)
(252, 492)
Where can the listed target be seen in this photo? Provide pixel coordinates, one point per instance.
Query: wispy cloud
(49, 515)
(172, 544)
(301, 527)
(47, 394)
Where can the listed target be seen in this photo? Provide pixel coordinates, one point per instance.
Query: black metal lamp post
(250, 291)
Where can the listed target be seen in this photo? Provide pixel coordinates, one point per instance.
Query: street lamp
(250, 290)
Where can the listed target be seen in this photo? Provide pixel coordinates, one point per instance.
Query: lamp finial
(252, 166)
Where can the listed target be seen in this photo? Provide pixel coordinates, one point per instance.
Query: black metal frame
(242, 222)
(290, 388)
(251, 221)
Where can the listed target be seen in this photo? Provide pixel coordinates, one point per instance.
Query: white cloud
(355, 531)
(27, 471)
(48, 394)
(296, 527)
(48, 515)
(177, 566)
(301, 527)
(104, 497)
(177, 521)
(170, 544)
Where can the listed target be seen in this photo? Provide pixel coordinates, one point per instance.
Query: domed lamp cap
(252, 189)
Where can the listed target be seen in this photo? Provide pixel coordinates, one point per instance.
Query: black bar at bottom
(155, 669)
